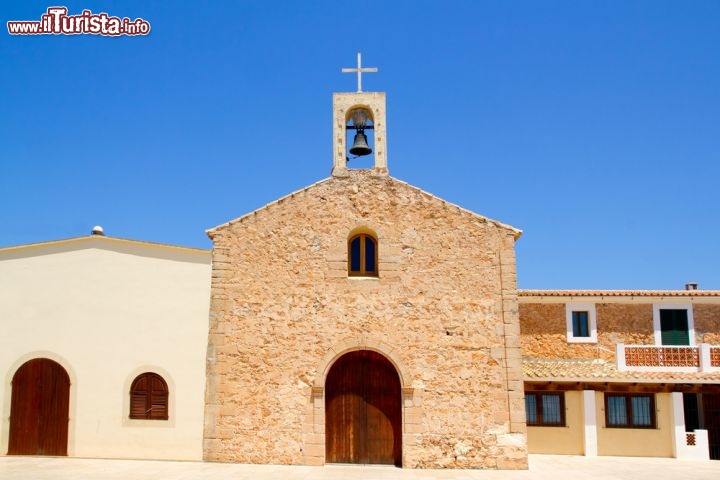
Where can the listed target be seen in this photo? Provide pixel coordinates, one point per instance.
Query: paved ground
(542, 467)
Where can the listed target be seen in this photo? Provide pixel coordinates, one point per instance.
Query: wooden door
(363, 411)
(711, 417)
(39, 409)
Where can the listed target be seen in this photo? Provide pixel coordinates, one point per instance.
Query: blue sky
(592, 126)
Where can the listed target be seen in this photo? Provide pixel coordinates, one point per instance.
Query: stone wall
(543, 329)
(707, 323)
(443, 310)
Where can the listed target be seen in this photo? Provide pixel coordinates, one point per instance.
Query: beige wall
(637, 442)
(283, 309)
(107, 310)
(567, 440)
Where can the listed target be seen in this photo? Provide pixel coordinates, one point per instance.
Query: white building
(82, 320)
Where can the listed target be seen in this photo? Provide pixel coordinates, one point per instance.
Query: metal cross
(359, 71)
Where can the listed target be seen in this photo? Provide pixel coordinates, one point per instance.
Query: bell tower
(363, 112)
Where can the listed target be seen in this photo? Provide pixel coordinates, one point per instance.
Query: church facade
(440, 311)
(362, 320)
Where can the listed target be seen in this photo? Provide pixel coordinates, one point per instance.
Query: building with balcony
(634, 373)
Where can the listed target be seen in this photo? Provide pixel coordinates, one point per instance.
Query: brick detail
(715, 356)
(662, 356)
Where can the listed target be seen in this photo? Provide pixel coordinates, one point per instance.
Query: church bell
(360, 146)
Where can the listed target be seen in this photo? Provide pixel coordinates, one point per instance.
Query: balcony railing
(695, 358)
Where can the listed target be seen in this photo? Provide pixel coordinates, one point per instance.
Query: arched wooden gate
(363, 416)
(39, 409)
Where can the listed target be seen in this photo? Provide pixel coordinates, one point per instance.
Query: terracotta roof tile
(594, 370)
(619, 293)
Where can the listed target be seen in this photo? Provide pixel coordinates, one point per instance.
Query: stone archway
(314, 431)
(363, 410)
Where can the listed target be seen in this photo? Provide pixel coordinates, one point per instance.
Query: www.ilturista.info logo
(57, 22)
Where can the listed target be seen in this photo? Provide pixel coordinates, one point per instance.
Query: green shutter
(674, 327)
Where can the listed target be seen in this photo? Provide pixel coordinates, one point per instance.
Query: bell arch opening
(360, 136)
(348, 146)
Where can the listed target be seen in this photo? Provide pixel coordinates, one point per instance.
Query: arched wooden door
(39, 409)
(363, 418)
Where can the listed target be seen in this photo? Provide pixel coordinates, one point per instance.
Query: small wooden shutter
(158, 399)
(149, 397)
(138, 396)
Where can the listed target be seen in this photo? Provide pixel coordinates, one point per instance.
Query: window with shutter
(674, 327)
(673, 324)
(149, 397)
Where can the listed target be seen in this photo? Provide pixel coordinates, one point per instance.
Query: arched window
(362, 256)
(149, 397)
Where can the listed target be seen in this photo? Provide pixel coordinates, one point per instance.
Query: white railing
(653, 358)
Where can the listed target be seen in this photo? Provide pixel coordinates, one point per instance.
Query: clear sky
(593, 126)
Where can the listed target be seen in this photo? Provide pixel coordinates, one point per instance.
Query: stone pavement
(542, 467)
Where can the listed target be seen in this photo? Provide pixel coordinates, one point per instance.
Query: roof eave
(211, 232)
(102, 238)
